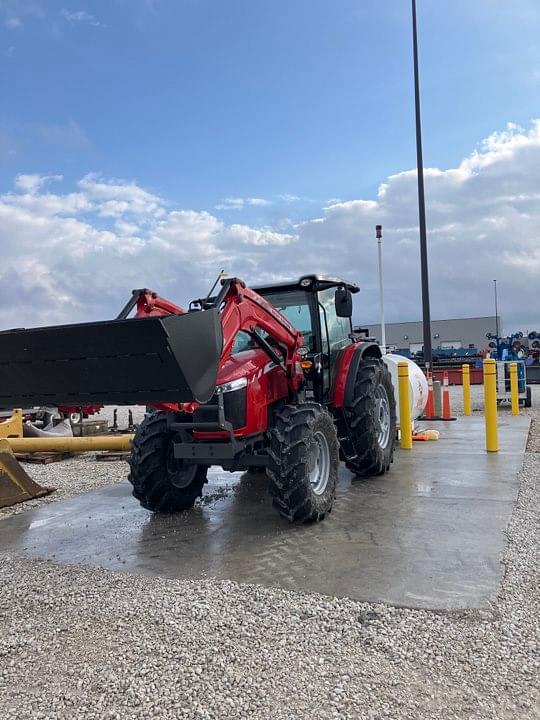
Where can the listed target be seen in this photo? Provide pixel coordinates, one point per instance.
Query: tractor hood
(245, 364)
(116, 362)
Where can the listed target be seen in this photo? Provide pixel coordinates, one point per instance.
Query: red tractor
(272, 378)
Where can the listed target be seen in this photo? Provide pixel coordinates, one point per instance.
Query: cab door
(335, 333)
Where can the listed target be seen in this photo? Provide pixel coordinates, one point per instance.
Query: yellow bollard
(466, 381)
(490, 405)
(405, 420)
(514, 389)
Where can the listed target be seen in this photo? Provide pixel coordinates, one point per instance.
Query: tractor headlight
(234, 401)
(231, 386)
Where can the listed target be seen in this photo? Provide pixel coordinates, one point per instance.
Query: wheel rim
(179, 474)
(320, 463)
(382, 413)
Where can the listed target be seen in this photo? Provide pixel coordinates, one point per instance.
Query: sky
(152, 143)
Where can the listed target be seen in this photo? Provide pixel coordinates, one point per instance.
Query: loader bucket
(116, 362)
(15, 484)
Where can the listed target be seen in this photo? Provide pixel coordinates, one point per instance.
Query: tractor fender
(346, 365)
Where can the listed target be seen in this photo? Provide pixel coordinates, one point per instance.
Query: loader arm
(242, 309)
(149, 304)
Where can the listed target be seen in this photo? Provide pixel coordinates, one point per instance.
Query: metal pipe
(490, 405)
(378, 234)
(496, 313)
(71, 444)
(426, 313)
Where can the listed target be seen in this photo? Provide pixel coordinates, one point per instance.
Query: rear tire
(371, 419)
(303, 462)
(160, 482)
(528, 397)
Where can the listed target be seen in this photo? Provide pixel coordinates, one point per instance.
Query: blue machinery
(506, 350)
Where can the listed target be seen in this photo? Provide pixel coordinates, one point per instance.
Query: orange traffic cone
(429, 412)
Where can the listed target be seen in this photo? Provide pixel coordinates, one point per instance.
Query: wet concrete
(428, 534)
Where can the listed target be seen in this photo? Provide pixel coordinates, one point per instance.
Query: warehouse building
(455, 333)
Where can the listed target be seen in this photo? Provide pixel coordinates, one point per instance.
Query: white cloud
(76, 254)
(126, 228)
(79, 16)
(252, 236)
(32, 183)
(230, 203)
(238, 203)
(93, 245)
(13, 23)
(116, 198)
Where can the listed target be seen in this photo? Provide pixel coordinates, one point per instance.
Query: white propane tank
(418, 387)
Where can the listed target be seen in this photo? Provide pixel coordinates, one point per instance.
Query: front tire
(303, 462)
(160, 482)
(370, 417)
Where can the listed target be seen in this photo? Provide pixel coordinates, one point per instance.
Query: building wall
(465, 331)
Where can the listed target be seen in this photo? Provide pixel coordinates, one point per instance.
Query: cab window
(296, 307)
(338, 328)
(242, 342)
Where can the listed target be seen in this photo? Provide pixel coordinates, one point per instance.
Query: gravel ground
(79, 642)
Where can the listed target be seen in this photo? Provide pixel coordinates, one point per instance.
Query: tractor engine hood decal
(245, 364)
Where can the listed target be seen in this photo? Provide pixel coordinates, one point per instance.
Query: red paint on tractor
(266, 384)
(150, 304)
(341, 371)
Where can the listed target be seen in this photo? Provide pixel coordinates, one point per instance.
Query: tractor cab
(321, 308)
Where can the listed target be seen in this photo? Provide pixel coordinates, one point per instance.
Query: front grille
(234, 405)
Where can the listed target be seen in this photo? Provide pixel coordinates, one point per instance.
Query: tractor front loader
(272, 378)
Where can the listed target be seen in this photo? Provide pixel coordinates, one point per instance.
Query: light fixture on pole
(426, 314)
(378, 235)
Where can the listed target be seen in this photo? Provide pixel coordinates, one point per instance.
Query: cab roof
(308, 282)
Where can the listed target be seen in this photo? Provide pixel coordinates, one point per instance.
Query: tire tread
(148, 471)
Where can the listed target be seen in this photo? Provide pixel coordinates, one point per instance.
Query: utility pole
(496, 311)
(426, 314)
(378, 235)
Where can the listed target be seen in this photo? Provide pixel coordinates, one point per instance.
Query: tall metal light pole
(496, 310)
(378, 235)
(426, 315)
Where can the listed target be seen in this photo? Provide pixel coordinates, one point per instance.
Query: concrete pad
(428, 534)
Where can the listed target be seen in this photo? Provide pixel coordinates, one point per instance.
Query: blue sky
(260, 113)
(202, 100)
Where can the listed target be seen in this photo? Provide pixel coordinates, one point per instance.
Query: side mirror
(343, 301)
